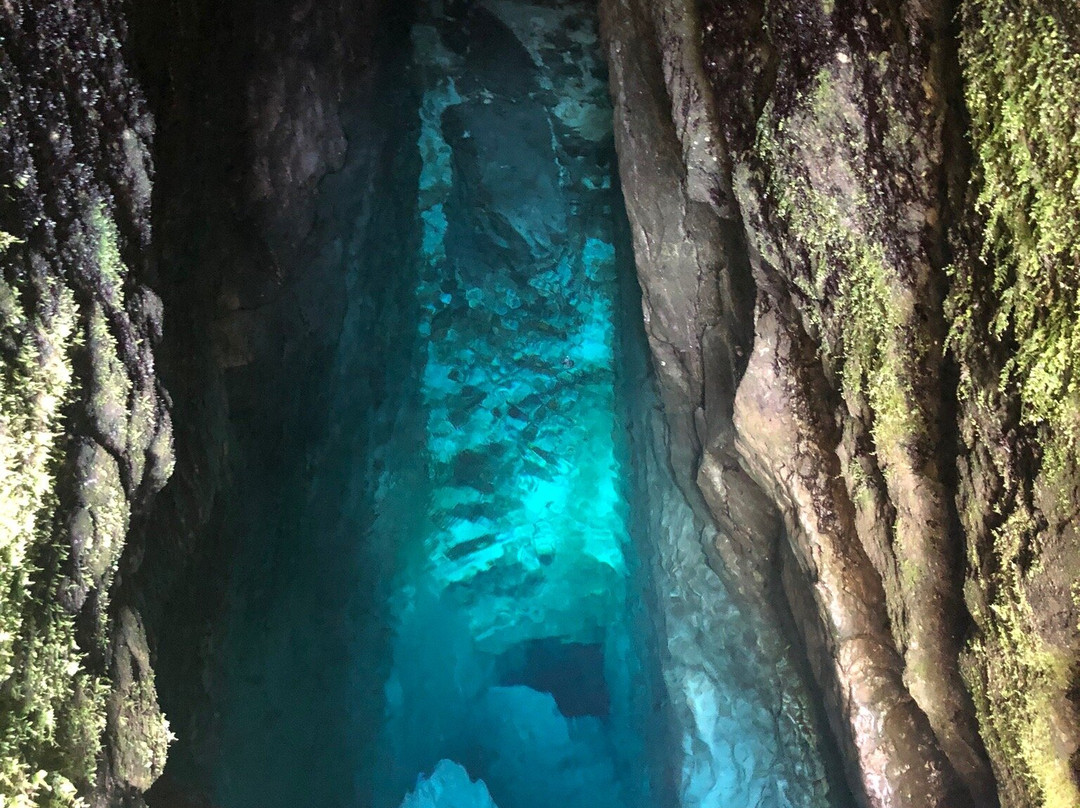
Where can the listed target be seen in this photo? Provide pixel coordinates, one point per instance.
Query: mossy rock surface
(76, 352)
(905, 179)
(1015, 332)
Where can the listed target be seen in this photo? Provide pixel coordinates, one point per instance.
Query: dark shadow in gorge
(252, 423)
(305, 423)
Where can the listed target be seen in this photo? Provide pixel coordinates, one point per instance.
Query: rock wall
(249, 99)
(272, 157)
(837, 210)
(85, 430)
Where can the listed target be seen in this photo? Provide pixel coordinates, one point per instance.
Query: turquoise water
(511, 655)
(472, 581)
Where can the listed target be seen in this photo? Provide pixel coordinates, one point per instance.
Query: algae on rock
(50, 706)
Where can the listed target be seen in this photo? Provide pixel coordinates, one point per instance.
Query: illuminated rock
(448, 786)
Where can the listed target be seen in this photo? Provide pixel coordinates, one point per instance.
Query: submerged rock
(448, 786)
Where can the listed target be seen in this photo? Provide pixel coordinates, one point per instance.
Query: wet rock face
(252, 100)
(685, 230)
(805, 166)
(838, 184)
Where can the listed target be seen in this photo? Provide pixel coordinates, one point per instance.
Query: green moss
(143, 744)
(112, 268)
(859, 485)
(141, 731)
(862, 315)
(6, 240)
(1021, 65)
(1022, 71)
(1016, 680)
(912, 574)
(110, 387)
(50, 709)
(140, 430)
(107, 512)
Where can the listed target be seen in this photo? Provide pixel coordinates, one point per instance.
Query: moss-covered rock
(139, 734)
(44, 682)
(1014, 309)
(74, 356)
(905, 179)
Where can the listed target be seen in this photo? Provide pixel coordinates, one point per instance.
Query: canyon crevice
(855, 238)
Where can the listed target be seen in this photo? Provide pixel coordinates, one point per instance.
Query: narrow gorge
(527, 403)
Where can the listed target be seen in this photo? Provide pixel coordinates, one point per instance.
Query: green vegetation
(1022, 72)
(858, 482)
(863, 325)
(911, 573)
(51, 709)
(110, 264)
(143, 744)
(1015, 679)
(6, 240)
(110, 387)
(1021, 63)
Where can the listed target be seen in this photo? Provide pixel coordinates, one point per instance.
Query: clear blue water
(480, 588)
(510, 654)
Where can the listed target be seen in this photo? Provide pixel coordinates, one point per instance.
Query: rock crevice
(829, 142)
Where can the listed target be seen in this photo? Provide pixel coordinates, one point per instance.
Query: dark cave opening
(573, 673)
